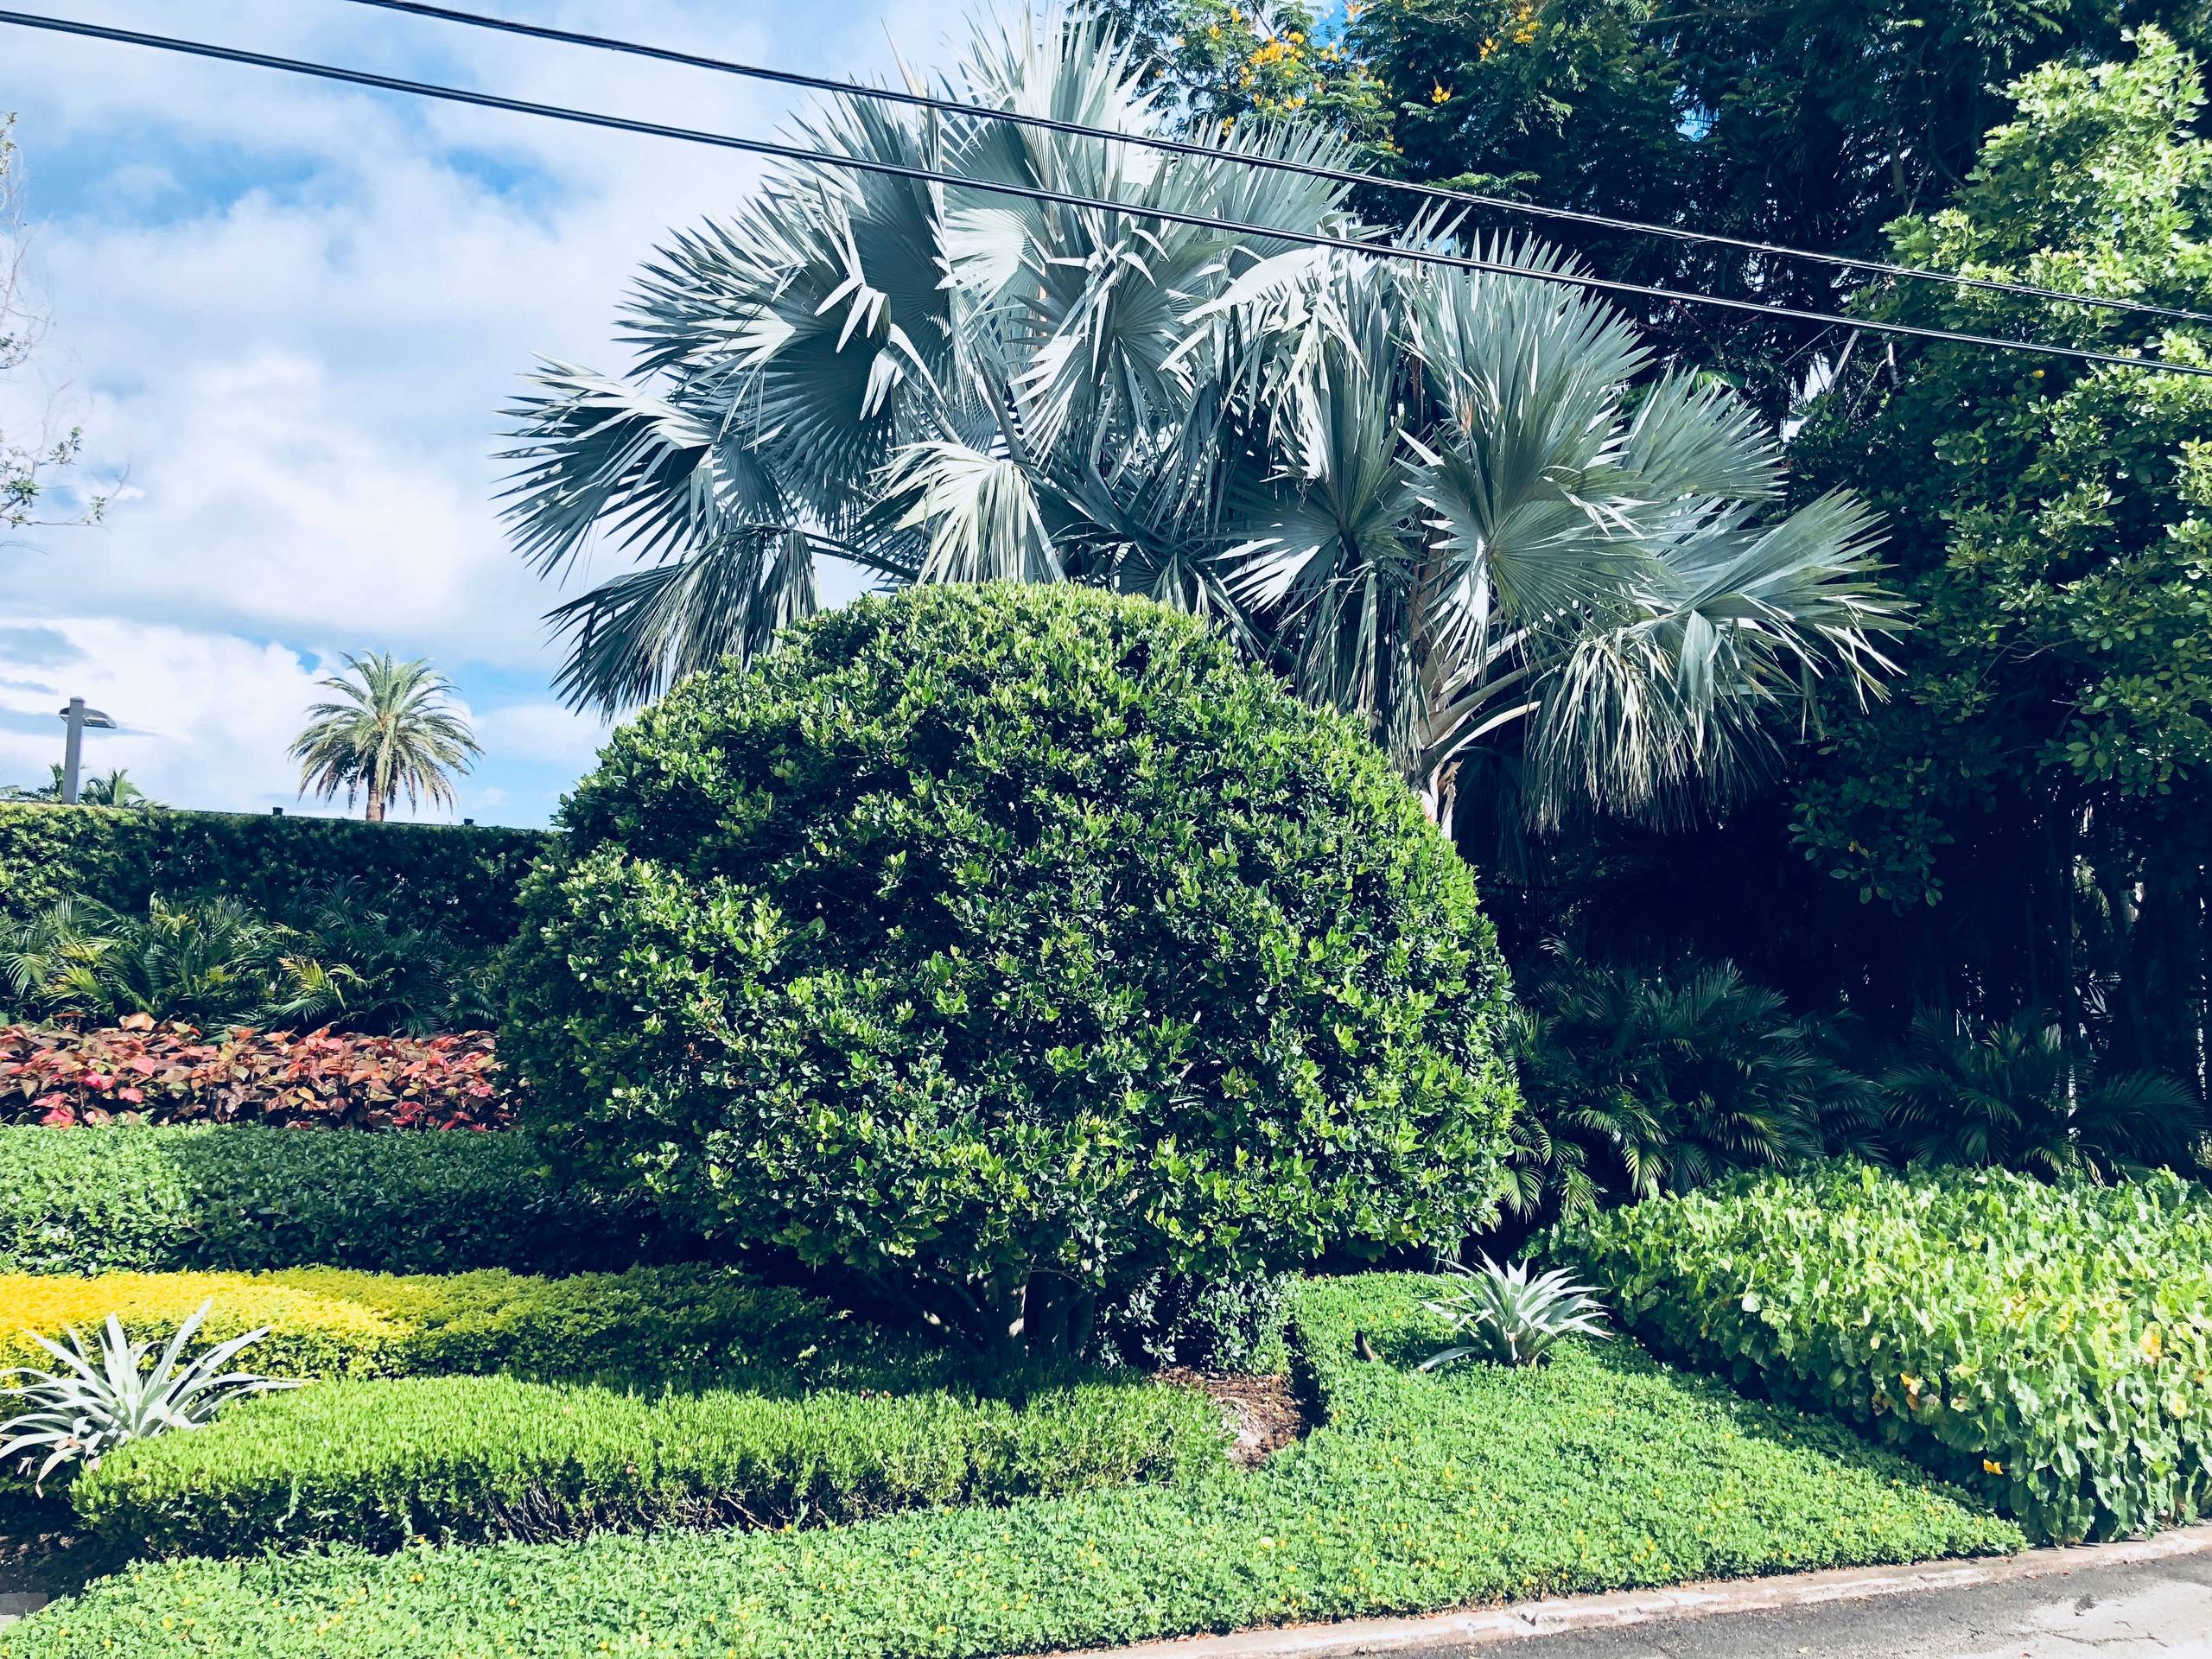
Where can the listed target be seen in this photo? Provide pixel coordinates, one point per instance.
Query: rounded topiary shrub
(1007, 944)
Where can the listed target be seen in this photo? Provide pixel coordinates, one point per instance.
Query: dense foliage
(215, 962)
(1804, 123)
(657, 1325)
(458, 882)
(175, 1073)
(2019, 825)
(382, 1463)
(2047, 1346)
(1005, 944)
(1636, 1083)
(2012, 1096)
(1471, 510)
(2025, 821)
(1599, 1470)
(1229, 1323)
(245, 1198)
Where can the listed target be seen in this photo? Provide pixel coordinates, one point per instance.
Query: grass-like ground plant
(1599, 1470)
(2049, 1346)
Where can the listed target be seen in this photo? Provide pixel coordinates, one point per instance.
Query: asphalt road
(2141, 1609)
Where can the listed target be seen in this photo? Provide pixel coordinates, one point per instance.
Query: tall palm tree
(392, 730)
(1469, 509)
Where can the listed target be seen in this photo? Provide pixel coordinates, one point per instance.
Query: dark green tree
(1809, 124)
(2026, 821)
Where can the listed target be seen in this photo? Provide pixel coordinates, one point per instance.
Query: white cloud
(204, 718)
(292, 312)
(543, 732)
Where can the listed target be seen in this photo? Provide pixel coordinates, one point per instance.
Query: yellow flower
(1439, 94)
(1990, 1466)
(2153, 1344)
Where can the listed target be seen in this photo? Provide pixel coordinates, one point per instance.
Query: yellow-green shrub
(329, 1322)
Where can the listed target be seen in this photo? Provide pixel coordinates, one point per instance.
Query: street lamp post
(77, 718)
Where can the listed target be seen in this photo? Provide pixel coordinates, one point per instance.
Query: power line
(1306, 170)
(1063, 199)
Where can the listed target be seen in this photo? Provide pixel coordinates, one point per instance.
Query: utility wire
(1060, 198)
(1306, 170)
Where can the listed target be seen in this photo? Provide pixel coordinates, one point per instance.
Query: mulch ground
(39, 1553)
(1262, 1412)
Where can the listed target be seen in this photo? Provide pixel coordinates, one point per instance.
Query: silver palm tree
(1466, 508)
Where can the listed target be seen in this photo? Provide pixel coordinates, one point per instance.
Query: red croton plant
(138, 1071)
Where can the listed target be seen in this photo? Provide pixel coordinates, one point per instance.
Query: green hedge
(461, 880)
(1005, 943)
(381, 1464)
(1599, 1471)
(243, 1199)
(2048, 1346)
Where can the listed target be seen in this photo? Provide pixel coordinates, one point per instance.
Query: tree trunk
(376, 807)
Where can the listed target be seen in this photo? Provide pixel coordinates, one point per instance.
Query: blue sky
(287, 314)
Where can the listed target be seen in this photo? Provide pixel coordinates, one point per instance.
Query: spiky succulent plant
(1506, 1317)
(97, 1401)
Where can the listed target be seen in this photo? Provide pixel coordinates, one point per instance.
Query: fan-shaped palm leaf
(1457, 505)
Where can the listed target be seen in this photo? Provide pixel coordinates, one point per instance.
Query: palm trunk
(376, 807)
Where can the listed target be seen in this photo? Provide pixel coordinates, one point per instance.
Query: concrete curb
(1437, 1635)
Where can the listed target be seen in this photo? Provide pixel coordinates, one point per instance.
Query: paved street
(2129, 1600)
(2133, 1610)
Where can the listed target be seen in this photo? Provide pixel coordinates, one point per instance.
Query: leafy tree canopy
(1807, 123)
(2041, 771)
(34, 458)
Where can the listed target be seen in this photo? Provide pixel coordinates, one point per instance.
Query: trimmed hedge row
(246, 1199)
(650, 1323)
(461, 880)
(1599, 1471)
(467, 1458)
(2051, 1347)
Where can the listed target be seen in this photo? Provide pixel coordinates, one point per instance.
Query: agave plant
(1508, 1318)
(1469, 509)
(98, 1402)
